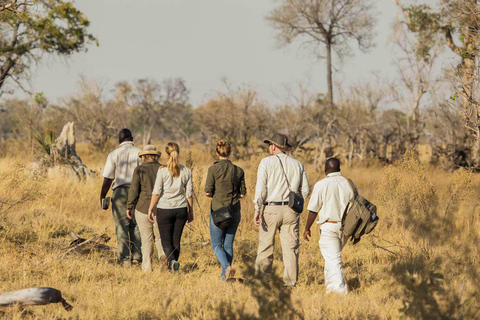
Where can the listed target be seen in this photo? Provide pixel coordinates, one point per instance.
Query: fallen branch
(87, 245)
(33, 297)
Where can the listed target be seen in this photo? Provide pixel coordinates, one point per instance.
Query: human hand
(307, 234)
(151, 216)
(101, 204)
(258, 218)
(129, 214)
(190, 217)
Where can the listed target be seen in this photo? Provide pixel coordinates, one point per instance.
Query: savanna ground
(422, 261)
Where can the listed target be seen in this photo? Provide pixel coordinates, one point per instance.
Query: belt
(276, 203)
(123, 187)
(328, 221)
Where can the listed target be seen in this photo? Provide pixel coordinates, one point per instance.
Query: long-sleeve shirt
(140, 192)
(173, 191)
(219, 184)
(271, 183)
(121, 163)
(330, 197)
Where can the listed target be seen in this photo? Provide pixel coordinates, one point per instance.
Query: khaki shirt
(121, 163)
(271, 183)
(173, 191)
(330, 197)
(219, 184)
(140, 192)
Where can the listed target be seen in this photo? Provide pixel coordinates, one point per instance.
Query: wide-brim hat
(149, 150)
(280, 141)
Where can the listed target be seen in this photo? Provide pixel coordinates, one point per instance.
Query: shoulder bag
(295, 201)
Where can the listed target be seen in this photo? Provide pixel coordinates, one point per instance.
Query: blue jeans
(222, 241)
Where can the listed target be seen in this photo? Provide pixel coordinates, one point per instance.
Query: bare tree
(236, 116)
(325, 25)
(417, 81)
(459, 23)
(97, 118)
(154, 104)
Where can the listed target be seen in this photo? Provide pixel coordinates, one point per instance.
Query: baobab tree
(325, 26)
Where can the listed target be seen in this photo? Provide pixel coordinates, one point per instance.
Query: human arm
(189, 196)
(210, 183)
(108, 177)
(242, 187)
(190, 209)
(261, 186)
(314, 206)
(310, 220)
(157, 191)
(304, 187)
(107, 183)
(152, 209)
(133, 193)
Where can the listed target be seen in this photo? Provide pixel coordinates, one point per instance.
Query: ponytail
(172, 149)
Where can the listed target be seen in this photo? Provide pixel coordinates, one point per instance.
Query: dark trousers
(170, 224)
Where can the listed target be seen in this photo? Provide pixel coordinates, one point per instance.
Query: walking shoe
(174, 266)
(229, 273)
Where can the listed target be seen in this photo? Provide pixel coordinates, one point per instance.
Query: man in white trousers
(329, 199)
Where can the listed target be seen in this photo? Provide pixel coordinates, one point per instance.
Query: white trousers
(331, 246)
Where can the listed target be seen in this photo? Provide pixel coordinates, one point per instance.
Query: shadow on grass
(273, 299)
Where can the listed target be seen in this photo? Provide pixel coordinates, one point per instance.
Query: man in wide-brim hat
(280, 141)
(139, 197)
(277, 175)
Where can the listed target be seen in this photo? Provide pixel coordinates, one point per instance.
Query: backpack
(360, 216)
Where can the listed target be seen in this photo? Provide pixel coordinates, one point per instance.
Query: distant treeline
(358, 128)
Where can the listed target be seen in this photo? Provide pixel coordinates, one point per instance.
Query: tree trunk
(33, 297)
(147, 136)
(329, 74)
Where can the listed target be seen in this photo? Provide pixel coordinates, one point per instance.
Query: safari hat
(280, 141)
(149, 149)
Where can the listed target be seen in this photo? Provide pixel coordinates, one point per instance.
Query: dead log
(33, 297)
(85, 246)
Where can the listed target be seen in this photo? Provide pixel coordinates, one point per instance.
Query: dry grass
(420, 263)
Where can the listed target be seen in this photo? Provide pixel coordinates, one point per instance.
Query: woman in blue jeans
(225, 188)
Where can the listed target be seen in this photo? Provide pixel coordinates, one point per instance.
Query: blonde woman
(225, 184)
(139, 197)
(172, 204)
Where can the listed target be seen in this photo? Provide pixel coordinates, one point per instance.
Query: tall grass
(420, 263)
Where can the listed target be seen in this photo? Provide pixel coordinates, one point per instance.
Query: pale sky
(203, 41)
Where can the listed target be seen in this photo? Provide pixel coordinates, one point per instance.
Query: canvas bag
(295, 201)
(223, 217)
(360, 216)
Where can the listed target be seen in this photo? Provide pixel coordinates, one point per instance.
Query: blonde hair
(172, 149)
(223, 148)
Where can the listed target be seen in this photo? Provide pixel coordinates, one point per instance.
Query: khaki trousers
(285, 220)
(149, 235)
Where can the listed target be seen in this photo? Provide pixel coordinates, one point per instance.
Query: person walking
(139, 197)
(329, 200)
(277, 176)
(118, 174)
(172, 204)
(225, 185)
